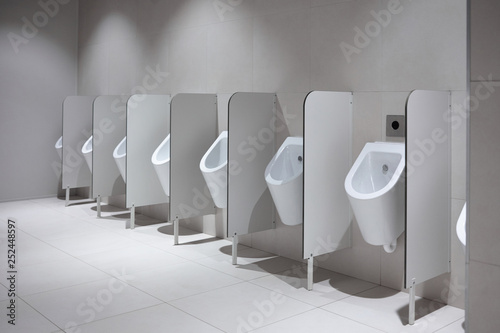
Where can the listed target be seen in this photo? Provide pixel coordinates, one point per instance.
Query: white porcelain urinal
(284, 176)
(461, 232)
(213, 166)
(376, 193)
(87, 152)
(120, 156)
(58, 147)
(161, 163)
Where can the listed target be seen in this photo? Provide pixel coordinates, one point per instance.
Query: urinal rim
(115, 151)
(154, 158)
(291, 140)
(58, 144)
(460, 227)
(85, 149)
(203, 168)
(384, 147)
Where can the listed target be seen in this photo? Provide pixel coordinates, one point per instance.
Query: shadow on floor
(423, 308)
(169, 230)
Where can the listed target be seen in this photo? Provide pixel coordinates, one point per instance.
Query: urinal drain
(385, 168)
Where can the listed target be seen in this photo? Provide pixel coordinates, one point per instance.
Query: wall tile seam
(329, 4)
(480, 81)
(283, 12)
(484, 263)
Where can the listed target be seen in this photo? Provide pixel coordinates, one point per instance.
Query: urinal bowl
(213, 166)
(120, 156)
(161, 163)
(376, 193)
(460, 228)
(87, 152)
(284, 176)
(58, 147)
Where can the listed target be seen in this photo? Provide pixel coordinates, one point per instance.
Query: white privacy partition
(109, 126)
(194, 129)
(327, 159)
(148, 124)
(428, 185)
(77, 128)
(251, 147)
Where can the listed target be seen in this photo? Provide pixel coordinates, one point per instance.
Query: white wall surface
(484, 228)
(38, 63)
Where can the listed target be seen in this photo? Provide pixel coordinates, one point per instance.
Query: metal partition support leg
(67, 196)
(235, 250)
(411, 307)
(176, 231)
(99, 206)
(132, 217)
(310, 270)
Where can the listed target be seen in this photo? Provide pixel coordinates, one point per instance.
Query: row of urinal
(86, 150)
(373, 184)
(160, 158)
(283, 176)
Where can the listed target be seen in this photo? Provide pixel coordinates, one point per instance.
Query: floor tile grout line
(203, 321)
(221, 271)
(204, 292)
(67, 287)
(41, 314)
(121, 314)
(437, 330)
(356, 321)
(283, 319)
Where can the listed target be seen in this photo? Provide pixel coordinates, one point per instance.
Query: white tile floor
(77, 273)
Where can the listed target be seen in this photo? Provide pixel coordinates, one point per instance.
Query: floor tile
(53, 202)
(455, 327)
(328, 286)
(180, 280)
(317, 321)
(111, 223)
(30, 250)
(27, 320)
(160, 318)
(54, 275)
(10, 208)
(3, 292)
(387, 309)
(26, 211)
(91, 243)
(133, 259)
(85, 303)
(241, 307)
(61, 228)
